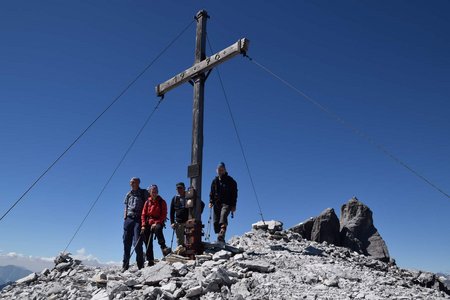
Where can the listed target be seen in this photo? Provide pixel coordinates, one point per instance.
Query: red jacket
(154, 211)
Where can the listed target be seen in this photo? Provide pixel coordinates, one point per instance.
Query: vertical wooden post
(197, 75)
(198, 112)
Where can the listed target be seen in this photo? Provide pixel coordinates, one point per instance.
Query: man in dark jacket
(134, 202)
(179, 214)
(223, 198)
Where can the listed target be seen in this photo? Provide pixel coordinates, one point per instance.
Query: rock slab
(326, 228)
(268, 225)
(27, 279)
(157, 273)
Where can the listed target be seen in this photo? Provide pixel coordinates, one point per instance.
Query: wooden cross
(197, 75)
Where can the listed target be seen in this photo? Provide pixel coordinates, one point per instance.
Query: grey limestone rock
(268, 225)
(304, 228)
(354, 230)
(257, 266)
(195, 291)
(222, 254)
(63, 266)
(155, 274)
(100, 278)
(287, 267)
(358, 231)
(326, 228)
(115, 287)
(27, 279)
(45, 272)
(100, 295)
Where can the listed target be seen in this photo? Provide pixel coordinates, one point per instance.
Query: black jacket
(178, 211)
(224, 191)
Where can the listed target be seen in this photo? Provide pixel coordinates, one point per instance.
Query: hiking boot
(221, 235)
(180, 250)
(150, 263)
(125, 267)
(166, 251)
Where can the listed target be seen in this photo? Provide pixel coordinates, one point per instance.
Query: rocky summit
(358, 232)
(269, 264)
(355, 230)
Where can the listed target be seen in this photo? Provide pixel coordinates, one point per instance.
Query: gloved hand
(210, 205)
(153, 227)
(142, 230)
(174, 225)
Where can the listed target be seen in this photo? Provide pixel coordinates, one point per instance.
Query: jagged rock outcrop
(355, 230)
(304, 228)
(358, 232)
(273, 265)
(326, 228)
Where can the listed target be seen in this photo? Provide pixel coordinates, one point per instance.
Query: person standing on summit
(134, 202)
(153, 218)
(223, 199)
(179, 214)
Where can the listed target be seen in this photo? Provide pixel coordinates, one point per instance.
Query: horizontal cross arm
(241, 46)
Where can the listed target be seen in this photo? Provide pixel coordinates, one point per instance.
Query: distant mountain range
(447, 278)
(11, 273)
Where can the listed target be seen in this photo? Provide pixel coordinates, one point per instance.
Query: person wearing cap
(134, 202)
(153, 217)
(223, 199)
(179, 214)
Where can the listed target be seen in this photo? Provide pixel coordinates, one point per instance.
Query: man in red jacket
(153, 217)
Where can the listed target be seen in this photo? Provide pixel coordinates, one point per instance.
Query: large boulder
(304, 228)
(323, 228)
(358, 232)
(326, 228)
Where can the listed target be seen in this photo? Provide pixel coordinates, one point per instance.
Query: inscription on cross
(204, 66)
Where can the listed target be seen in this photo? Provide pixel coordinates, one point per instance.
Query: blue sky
(382, 65)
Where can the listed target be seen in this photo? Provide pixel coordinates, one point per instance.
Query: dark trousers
(131, 233)
(221, 212)
(148, 239)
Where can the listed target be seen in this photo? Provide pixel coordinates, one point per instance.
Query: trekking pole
(171, 242)
(134, 248)
(208, 232)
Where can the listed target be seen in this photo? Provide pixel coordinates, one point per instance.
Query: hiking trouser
(131, 233)
(149, 237)
(179, 231)
(221, 212)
